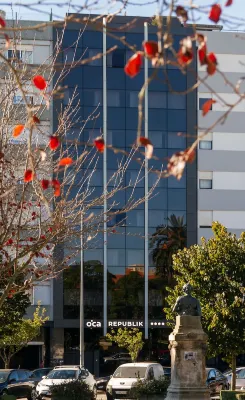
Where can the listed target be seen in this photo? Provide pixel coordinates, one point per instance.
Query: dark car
(216, 381)
(124, 357)
(15, 382)
(167, 372)
(101, 383)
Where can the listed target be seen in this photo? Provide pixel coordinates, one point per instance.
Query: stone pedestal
(188, 348)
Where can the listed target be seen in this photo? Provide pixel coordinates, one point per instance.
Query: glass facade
(167, 130)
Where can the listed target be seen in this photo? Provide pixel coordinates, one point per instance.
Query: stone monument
(188, 344)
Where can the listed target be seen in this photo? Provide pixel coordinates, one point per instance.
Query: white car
(63, 374)
(128, 375)
(240, 378)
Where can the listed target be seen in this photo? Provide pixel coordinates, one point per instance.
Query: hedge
(232, 395)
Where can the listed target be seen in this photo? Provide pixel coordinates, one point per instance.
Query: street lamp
(81, 354)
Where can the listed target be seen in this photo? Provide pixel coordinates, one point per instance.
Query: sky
(19, 8)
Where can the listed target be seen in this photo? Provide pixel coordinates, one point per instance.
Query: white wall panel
(229, 63)
(42, 294)
(224, 100)
(230, 219)
(205, 218)
(229, 180)
(229, 141)
(205, 175)
(40, 54)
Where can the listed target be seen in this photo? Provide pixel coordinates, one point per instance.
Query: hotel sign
(124, 324)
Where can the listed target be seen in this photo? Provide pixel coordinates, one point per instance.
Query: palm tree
(164, 243)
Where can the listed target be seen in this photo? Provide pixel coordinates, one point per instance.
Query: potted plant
(72, 390)
(152, 390)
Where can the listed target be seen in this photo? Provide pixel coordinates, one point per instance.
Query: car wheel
(94, 393)
(33, 395)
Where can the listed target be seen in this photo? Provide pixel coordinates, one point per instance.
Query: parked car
(38, 374)
(127, 375)
(124, 357)
(61, 374)
(167, 372)
(16, 382)
(101, 383)
(216, 381)
(240, 377)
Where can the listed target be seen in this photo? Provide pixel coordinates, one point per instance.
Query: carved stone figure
(187, 304)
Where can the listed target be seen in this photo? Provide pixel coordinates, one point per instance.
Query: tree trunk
(6, 364)
(233, 368)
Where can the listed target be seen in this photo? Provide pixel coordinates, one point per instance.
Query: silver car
(240, 377)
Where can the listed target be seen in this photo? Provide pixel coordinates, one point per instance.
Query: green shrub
(149, 388)
(232, 395)
(72, 390)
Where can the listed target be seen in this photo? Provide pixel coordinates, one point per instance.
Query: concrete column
(188, 344)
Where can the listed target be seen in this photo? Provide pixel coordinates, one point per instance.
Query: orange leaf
(207, 106)
(18, 129)
(65, 161)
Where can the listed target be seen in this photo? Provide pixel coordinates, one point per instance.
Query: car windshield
(62, 374)
(130, 372)
(39, 373)
(3, 376)
(241, 374)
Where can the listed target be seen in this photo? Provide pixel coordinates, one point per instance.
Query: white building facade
(221, 167)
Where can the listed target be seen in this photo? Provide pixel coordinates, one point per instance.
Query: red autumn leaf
(18, 129)
(228, 3)
(215, 13)
(207, 106)
(39, 82)
(132, 68)
(56, 185)
(211, 69)
(45, 184)
(99, 144)
(2, 22)
(176, 165)
(7, 41)
(212, 58)
(9, 242)
(202, 55)
(185, 53)
(65, 161)
(211, 61)
(143, 141)
(54, 142)
(185, 58)
(151, 48)
(202, 49)
(35, 119)
(182, 13)
(28, 177)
